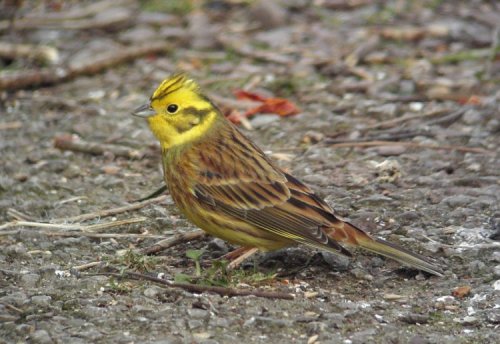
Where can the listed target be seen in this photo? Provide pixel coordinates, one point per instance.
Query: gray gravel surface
(443, 203)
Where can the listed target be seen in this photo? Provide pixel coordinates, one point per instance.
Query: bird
(226, 185)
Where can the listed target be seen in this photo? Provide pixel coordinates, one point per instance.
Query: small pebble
(268, 13)
(29, 280)
(41, 300)
(152, 292)
(41, 337)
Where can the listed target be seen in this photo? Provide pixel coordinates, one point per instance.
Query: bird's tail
(353, 236)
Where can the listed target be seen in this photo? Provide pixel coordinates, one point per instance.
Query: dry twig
(42, 53)
(50, 76)
(113, 211)
(362, 144)
(195, 288)
(72, 227)
(88, 17)
(69, 142)
(11, 125)
(84, 217)
(173, 241)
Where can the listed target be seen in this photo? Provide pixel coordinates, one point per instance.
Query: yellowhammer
(226, 185)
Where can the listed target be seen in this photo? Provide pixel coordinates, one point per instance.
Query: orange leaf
(241, 94)
(461, 292)
(472, 100)
(279, 106)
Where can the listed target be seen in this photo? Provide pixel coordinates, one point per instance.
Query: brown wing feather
(248, 186)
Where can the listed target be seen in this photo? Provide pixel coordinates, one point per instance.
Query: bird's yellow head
(178, 113)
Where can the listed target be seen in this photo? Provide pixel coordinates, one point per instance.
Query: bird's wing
(237, 178)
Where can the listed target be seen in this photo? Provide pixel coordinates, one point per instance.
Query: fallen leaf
(279, 106)
(462, 291)
(472, 100)
(241, 94)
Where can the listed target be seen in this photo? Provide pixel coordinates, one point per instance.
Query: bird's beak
(144, 111)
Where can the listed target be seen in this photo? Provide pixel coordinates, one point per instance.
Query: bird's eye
(172, 108)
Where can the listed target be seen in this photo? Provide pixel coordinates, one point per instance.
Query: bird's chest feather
(179, 167)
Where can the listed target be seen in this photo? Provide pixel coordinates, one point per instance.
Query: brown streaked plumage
(228, 187)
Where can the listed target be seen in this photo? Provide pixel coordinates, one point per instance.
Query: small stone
(416, 106)
(152, 292)
(142, 309)
(218, 245)
(268, 13)
(16, 251)
(392, 150)
(339, 263)
(375, 200)
(156, 18)
(316, 327)
(364, 336)
(41, 337)
(310, 294)
(41, 300)
(272, 321)
(280, 37)
(263, 120)
(21, 177)
(111, 169)
(94, 312)
(472, 116)
(72, 171)
(386, 110)
(393, 297)
(313, 339)
(219, 322)
(197, 313)
(24, 329)
(202, 336)
(138, 34)
(495, 257)
(202, 32)
(418, 340)
(447, 299)
(250, 322)
(194, 324)
(476, 266)
(413, 318)
(337, 319)
(316, 179)
(457, 201)
(496, 271)
(469, 320)
(29, 280)
(493, 316)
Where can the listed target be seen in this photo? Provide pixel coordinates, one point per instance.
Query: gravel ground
(419, 74)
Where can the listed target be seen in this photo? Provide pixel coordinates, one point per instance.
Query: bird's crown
(174, 83)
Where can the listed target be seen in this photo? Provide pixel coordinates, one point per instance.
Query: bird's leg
(239, 255)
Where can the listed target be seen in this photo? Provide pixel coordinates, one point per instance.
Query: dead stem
(194, 288)
(91, 235)
(173, 241)
(72, 227)
(110, 212)
(362, 144)
(68, 142)
(51, 76)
